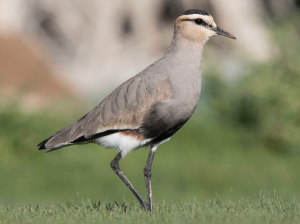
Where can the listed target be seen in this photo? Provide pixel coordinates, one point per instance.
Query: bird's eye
(199, 21)
(210, 26)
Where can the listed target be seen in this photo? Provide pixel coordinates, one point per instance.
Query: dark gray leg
(115, 166)
(147, 174)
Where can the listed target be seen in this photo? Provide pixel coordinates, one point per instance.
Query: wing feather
(125, 108)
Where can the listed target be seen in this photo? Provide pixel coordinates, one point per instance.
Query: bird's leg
(115, 166)
(147, 174)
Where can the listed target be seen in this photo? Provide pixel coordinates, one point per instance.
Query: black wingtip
(42, 144)
(42, 147)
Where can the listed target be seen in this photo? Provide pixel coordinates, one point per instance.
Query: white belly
(124, 144)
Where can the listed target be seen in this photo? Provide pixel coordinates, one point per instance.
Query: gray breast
(165, 118)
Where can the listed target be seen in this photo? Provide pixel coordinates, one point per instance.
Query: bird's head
(198, 26)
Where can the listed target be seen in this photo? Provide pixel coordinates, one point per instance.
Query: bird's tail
(42, 145)
(60, 139)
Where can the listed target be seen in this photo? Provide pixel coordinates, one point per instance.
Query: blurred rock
(96, 44)
(24, 74)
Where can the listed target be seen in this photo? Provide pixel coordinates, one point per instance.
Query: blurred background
(58, 59)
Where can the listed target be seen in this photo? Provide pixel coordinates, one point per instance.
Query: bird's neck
(187, 51)
(185, 73)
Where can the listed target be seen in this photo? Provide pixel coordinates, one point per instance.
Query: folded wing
(124, 109)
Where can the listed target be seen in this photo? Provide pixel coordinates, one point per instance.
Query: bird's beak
(219, 31)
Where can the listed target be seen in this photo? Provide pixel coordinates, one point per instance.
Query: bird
(147, 109)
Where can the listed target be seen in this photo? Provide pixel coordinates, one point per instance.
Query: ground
(263, 210)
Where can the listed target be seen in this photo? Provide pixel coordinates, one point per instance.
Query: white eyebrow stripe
(194, 16)
(205, 18)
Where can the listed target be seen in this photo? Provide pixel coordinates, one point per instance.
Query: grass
(203, 159)
(262, 210)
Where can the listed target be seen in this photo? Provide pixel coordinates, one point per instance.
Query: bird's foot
(149, 207)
